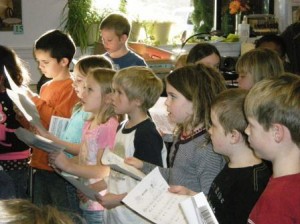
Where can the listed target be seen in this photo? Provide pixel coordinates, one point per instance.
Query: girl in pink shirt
(98, 133)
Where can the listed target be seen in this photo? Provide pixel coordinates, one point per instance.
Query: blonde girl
(193, 163)
(98, 133)
(256, 65)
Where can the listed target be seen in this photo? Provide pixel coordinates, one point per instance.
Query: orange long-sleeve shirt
(56, 98)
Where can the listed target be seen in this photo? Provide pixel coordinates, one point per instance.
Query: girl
(14, 154)
(193, 163)
(98, 133)
(256, 65)
(206, 54)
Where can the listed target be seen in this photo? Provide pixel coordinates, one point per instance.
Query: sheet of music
(151, 199)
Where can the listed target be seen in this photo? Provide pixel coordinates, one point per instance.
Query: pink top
(15, 155)
(92, 141)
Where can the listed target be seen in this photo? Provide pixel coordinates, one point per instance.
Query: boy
(272, 110)
(237, 187)
(115, 30)
(54, 51)
(136, 89)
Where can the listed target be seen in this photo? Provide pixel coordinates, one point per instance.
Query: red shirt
(279, 203)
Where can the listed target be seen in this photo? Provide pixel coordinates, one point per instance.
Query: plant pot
(135, 31)
(159, 32)
(92, 33)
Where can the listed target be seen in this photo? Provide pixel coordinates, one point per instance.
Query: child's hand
(42, 132)
(28, 92)
(109, 200)
(82, 196)
(58, 160)
(134, 162)
(181, 190)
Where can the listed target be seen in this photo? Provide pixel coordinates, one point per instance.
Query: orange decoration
(237, 6)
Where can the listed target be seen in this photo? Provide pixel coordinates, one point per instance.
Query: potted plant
(82, 22)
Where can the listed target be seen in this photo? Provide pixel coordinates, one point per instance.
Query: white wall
(38, 17)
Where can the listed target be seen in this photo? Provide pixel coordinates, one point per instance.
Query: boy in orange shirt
(54, 51)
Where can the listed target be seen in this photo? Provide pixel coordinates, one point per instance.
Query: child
(71, 137)
(54, 51)
(181, 61)
(276, 43)
(237, 187)
(25, 212)
(14, 154)
(272, 110)
(98, 133)
(256, 65)
(136, 89)
(193, 163)
(206, 54)
(115, 30)
(73, 132)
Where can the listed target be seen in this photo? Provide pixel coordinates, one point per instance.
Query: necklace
(194, 132)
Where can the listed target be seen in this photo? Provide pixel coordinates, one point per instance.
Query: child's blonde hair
(103, 77)
(181, 61)
(200, 85)
(276, 100)
(229, 108)
(140, 83)
(260, 63)
(25, 212)
(117, 22)
(86, 63)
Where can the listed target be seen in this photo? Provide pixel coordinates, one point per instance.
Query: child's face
(260, 140)
(178, 107)
(91, 97)
(212, 60)
(49, 66)
(78, 82)
(245, 81)
(120, 101)
(112, 43)
(220, 141)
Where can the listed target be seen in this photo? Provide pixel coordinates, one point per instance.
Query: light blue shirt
(73, 132)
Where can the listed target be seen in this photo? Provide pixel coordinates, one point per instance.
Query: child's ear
(278, 132)
(124, 38)
(234, 136)
(64, 61)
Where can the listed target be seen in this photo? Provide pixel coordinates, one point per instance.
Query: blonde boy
(115, 30)
(136, 89)
(272, 109)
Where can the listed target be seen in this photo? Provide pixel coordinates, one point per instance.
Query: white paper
(159, 115)
(37, 141)
(24, 103)
(116, 163)
(58, 125)
(151, 199)
(197, 210)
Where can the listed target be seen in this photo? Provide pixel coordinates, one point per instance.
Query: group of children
(210, 152)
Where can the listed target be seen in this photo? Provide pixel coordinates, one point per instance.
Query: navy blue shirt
(129, 59)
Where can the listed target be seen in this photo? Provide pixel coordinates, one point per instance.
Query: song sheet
(116, 163)
(151, 199)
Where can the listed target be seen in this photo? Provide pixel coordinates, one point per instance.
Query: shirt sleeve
(60, 104)
(148, 145)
